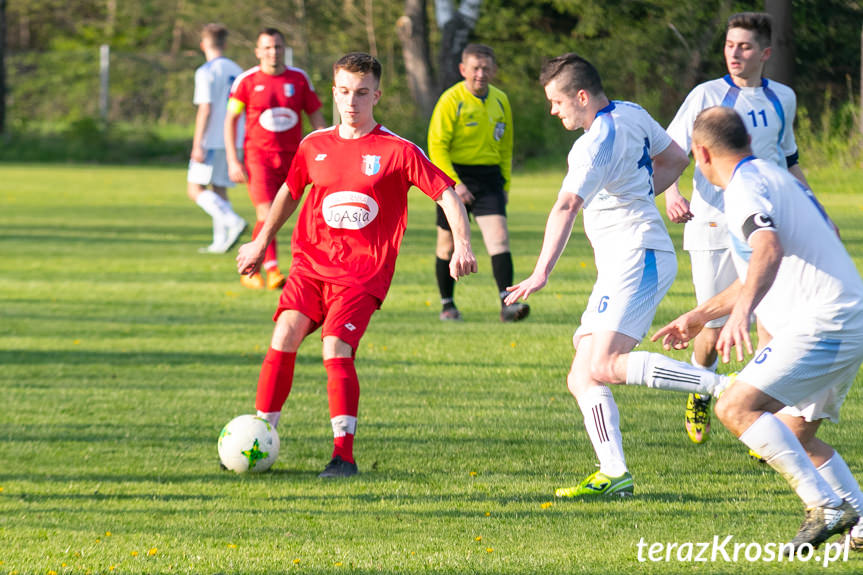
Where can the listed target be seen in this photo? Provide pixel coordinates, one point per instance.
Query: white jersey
(768, 113)
(213, 86)
(610, 168)
(817, 289)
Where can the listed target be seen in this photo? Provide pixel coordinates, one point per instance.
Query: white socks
(602, 421)
(344, 425)
(837, 474)
(661, 372)
(272, 417)
(772, 440)
(215, 206)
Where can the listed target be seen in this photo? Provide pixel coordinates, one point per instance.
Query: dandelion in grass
(512, 344)
(108, 533)
(472, 474)
(478, 538)
(489, 549)
(152, 551)
(297, 561)
(232, 546)
(337, 564)
(546, 505)
(52, 572)
(134, 553)
(582, 264)
(488, 513)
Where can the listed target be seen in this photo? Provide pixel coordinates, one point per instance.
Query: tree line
(652, 52)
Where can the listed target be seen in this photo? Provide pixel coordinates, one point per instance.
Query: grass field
(123, 352)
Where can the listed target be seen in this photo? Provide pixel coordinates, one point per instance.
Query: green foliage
(649, 52)
(123, 352)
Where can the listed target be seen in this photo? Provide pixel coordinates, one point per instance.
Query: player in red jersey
(344, 245)
(273, 96)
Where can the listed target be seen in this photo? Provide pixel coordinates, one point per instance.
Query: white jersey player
(208, 165)
(615, 170)
(768, 109)
(795, 274)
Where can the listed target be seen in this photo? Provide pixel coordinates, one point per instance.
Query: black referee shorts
(486, 185)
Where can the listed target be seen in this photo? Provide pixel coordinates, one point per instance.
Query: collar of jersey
(605, 110)
(748, 158)
(731, 83)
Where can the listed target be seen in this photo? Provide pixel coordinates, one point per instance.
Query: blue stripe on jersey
(650, 278)
(605, 141)
(645, 296)
(777, 105)
(732, 93)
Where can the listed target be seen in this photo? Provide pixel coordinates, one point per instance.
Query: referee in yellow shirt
(470, 138)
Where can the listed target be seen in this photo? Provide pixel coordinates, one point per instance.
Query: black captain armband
(792, 159)
(757, 222)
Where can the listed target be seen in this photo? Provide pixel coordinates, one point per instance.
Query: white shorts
(213, 170)
(712, 272)
(809, 374)
(627, 292)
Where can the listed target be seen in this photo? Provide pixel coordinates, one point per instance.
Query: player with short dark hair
(208, 165)
(768, 109)
(616, 168)
(273, 97)
(471, 138)
(344, 245)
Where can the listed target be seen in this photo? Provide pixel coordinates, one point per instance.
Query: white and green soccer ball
(248, 443)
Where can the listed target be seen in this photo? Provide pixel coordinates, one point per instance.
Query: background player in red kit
(273, 96)
(345, 244)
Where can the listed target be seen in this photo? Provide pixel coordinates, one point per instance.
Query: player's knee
(726, 409)
(603, 371)
(444, 247)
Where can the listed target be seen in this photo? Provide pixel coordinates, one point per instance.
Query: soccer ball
(248, 443)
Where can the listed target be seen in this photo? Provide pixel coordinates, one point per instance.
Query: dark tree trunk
(413, 33)
(780, 66)
(2, 66)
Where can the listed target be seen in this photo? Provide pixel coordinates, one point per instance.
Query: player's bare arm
(236, 171)
(557, 232)
(764, 263)
(679, 332)
(676, 206)
(201, 118)
(316, 119)
(463, 261)
(667, 167)
(251, 255)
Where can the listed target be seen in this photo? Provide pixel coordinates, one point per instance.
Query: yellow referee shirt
(474, 131)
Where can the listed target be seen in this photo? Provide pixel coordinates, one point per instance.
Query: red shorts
(267, 172)
(343, 311)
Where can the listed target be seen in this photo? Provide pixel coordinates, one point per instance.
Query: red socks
(343, 391)
(274, 383)
(270, 257)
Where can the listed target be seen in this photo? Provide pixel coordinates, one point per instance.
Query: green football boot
(598, 485)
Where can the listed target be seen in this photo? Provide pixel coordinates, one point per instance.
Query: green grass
(123, 352)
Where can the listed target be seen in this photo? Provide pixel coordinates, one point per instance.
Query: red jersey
(273, 106)
(351, 225)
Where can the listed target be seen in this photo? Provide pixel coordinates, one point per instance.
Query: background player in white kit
(768, 109)
(207, 165)
(795, 274)
(615, 168)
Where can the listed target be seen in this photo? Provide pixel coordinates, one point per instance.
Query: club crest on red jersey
(371, 165)
(289, 90)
